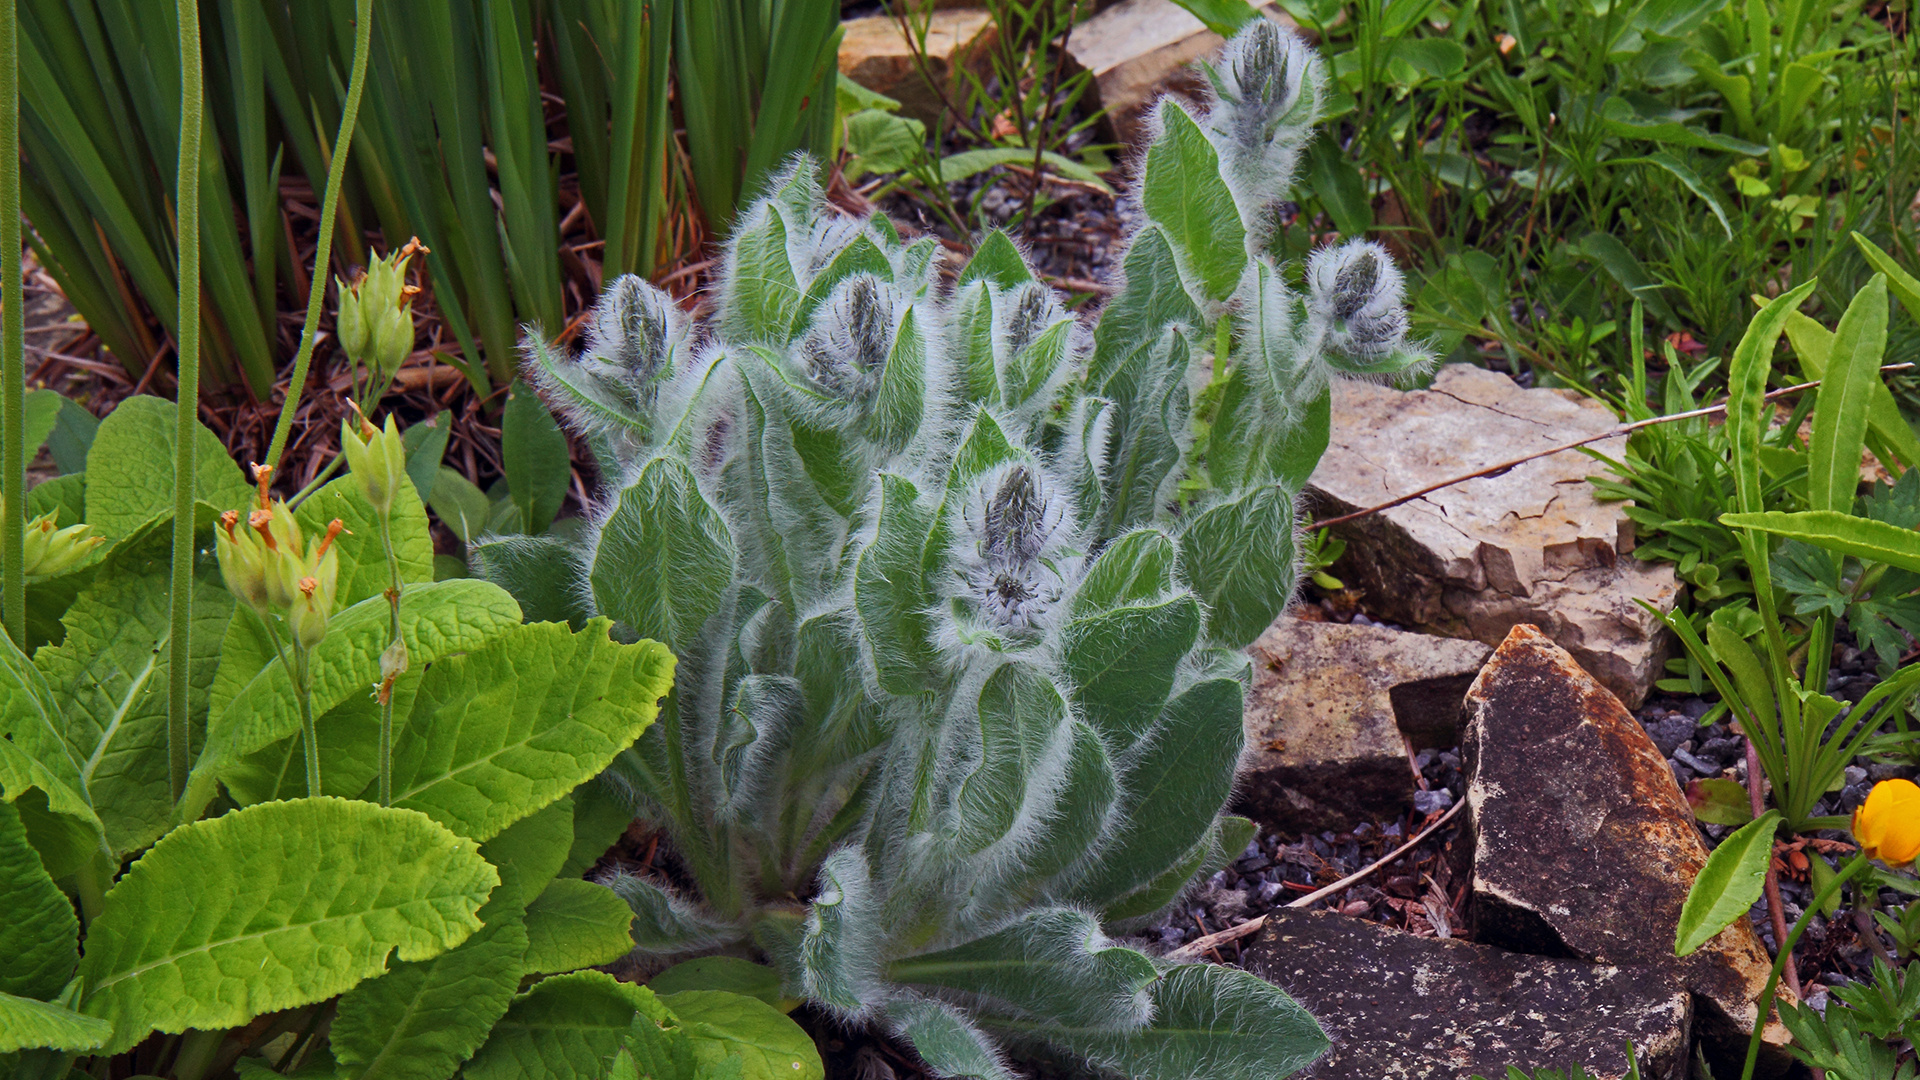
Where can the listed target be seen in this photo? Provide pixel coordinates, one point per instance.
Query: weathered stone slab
(1531, 545)
(1139, 49)
(1331, 715)
(875, 53)
(1584, 846)
(1401, 1007)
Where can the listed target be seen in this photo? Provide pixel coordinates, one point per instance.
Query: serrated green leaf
(274, 906)
(130, 469)
(110, 679)
(437, 619)
(575, 924)
(729, 973)
(1122, 663)
(40, 936)
(1053, 964)
(1183, 192)
(568, 1027)
(502, 731)
(535, 456)
(664, 556)
(1728, 885)
(1840, 409)
(1863, 538)
(723, 1025)
(27, 1024)
(1243, 584)
(1210, 1023)
(420, 1020)
(363, 564)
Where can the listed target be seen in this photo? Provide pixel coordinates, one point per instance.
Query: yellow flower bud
(52, 551)
(377, 458)
(1887, 825)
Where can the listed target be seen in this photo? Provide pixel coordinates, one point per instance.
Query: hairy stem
(13, 458)
(323, 253)
(187, 399)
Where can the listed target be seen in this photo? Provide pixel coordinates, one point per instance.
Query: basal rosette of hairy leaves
(957, 595)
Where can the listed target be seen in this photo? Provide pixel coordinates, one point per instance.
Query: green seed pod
(374, 325)
(377, 458)
(52, 551)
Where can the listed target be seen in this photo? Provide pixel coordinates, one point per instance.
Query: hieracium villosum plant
(959, 686)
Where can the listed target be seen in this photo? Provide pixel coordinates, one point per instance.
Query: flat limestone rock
(875, 53)
(1332, 713)
(1401, 1007)
(1138, 49)
(1584, 846)
(1531, 545)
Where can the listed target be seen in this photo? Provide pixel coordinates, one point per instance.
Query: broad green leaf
(528, 853)
(420, 1020)
(1244, 583)
(27, 1024)
(1719, 801)
(1173, 785)
(729, 973)
(1051, 963)
(946, 1039)
(72, 437)
(576, 924)
(1840, 410)
(890, 593)
(600, 818)
(426, 446)
(723, 1025)
(1020, 714)
(1135, 568)
(899, 402)
(130, 469)
(664, 556)
(968, 163)
(110, 679)
(837, 961)
(762, 291)
(1903, 285)
(60, 824)
(42, 408)
(568, 1027)
(1863, 538)
(1210, 1023)
(363, 563)
(996, 260)
(274, 906)
(1687, 177)
(1122, 663)
(1087, 793)
(1338, 184)
(1812, 343)
(436, 619)
(40, 937)
(1183, 192)
(460, 505)
(1728, 885)
(537, 462)
(502, 731)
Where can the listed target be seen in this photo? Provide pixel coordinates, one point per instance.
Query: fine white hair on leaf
(851, 337)
(1012, 537)
(1264, 96)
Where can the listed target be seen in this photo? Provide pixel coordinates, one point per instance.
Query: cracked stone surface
(1584, 846)
(1401, 1007)
(875, 53)
(1139, 49)
(1531, 545)
(1331, 716)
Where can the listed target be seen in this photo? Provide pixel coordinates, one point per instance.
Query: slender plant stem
(197, 1050)
(323, 253)
(1765, 1002)
(309, 735)
(187, 401)
(13, 552)
(387, 678)
(1776, 912)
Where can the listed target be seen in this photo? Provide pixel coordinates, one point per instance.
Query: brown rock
(1531, 545)
(1333, 711)
(1398, 1006)
(875, 53)
(1138, 49)
(1583, 845)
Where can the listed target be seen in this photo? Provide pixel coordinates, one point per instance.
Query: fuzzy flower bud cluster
(1358, 299)
(50, 550)
(377, 458)
(272, 566)
(852, 336)
(374, 325)
(1010, 556)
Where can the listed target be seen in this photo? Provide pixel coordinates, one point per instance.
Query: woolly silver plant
(959, 688)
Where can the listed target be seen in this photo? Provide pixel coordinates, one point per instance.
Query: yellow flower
(1888, 823)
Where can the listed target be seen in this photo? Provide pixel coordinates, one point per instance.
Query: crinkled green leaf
(529, 852)
(130, 469)
(420, 1020)
(575, 924)
(27, 1024)
(60, 824)
(1021, 715)
(502, 731)
(723, 1025)
(40, 936)
(1728, 885)
(568, 1027)
(275, 906)
(363, 564)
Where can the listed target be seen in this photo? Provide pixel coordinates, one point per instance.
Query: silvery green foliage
(956, 667)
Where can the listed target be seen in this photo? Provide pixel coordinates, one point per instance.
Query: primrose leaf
(363, 564)
(722, 1025)
(130, 469)
(576, 924)
(420, 1020)
(1728, 884)
(40, 937)
(565, 1027)
(27, 1024)
(272, 907)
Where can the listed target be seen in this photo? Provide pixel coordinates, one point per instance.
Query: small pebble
(1432, 802)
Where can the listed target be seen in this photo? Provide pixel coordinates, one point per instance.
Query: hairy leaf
(945, 1039)
(1185, 194)
(1053, 963)
(664, 556)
